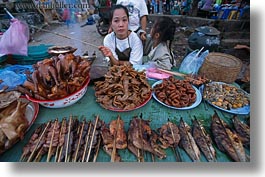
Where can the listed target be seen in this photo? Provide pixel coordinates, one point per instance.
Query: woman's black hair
(115, 7)
(166, 28)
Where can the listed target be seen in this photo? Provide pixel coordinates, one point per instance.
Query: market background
(254, 168)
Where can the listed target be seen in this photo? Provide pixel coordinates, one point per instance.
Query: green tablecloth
(154, 111)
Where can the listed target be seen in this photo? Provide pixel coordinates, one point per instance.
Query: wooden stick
(42, 134)
(172, 72)
(50, 147)
(178, 158)
(96, 154)
(62, 35)
(68, 138)
(113, 153)
(79, 140)
(91, 141)
(86, 144)
(59, 147)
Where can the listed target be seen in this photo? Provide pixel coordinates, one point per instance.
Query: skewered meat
(140, 136)
(27, 149)
(169, 135)
(117, 127)
(203, 140)
(187, 141)
(226, 140)
(242, 130)
(114, 137)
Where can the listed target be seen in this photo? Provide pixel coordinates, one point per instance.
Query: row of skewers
(80, 141)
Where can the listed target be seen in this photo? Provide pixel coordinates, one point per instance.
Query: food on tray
(56, 77)
(123, 89)
(142, 138)
(196, 80)
(176, 93)
(13, 124)
(225, 96)
(8, 97)
(203, 140)
(187, 141)
(56, 50)
(66, 141)
(227, 140)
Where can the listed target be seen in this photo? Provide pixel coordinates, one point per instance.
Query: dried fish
(203, 140)
(242, 130)
(188, 142)
(226, 140)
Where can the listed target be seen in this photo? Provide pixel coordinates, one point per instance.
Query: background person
(138, 16)
(159, 50)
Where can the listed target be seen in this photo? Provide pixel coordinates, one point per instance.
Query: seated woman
(121, 45)
(158, 46)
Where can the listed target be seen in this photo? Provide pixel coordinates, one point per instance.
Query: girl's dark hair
(115, 7)
(166, 28)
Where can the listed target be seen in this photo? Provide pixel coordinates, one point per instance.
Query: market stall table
(158, 114)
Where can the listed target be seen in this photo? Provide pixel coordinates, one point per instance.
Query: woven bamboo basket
(221, 67)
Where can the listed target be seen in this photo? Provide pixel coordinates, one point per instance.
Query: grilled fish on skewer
(169, 136)
(188, 142)
(242, 130)
(203, 140)
(226, 140)
(141, 136)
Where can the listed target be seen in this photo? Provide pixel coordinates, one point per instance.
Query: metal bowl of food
(65, 101)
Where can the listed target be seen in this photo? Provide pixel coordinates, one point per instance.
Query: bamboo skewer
(92, 138)
(172, 72)
(59, 147)
(79, 140)
(97, 150)
(68, 138)
(204, 136)
(86, 144)
(51, 141)
(113, 153)
(175, 146)
(38, 156)
(42, 134)
(62, 35)
(142, 142)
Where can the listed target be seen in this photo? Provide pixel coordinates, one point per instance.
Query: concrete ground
(87, 33)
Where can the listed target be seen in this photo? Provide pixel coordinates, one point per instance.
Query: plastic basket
(35, 54)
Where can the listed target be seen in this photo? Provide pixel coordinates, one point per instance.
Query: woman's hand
(143, 35)
(105, 51)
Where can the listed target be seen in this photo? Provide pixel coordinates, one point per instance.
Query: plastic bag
(193, 61)
(14, 75)
(15, 39)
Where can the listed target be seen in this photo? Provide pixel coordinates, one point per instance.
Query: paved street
(88, 34)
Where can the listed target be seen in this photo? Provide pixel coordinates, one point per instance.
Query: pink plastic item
(15, 39)
(156, 74)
